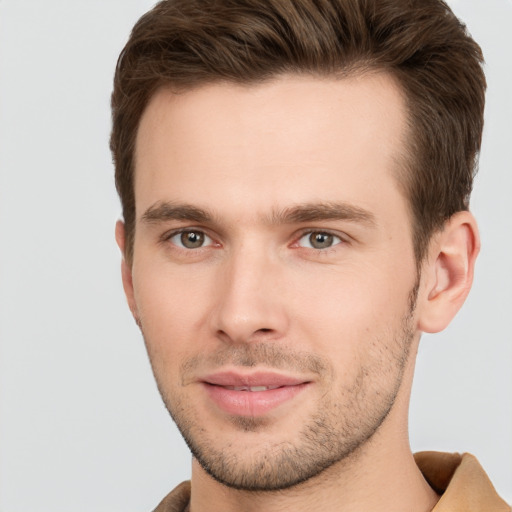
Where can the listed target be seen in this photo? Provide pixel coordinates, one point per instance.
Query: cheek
(173, 309)
(345, 311)
(334, 311)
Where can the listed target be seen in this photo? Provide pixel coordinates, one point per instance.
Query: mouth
(254, 394)
(251, 388)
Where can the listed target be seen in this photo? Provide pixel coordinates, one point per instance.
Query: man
(295, 179)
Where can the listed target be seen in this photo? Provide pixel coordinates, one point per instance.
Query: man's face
(273, 273)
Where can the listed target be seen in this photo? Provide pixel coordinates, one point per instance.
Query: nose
(251, 300)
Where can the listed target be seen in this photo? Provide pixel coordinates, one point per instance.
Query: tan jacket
(460, 480)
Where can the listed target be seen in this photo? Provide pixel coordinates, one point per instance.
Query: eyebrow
(165, 211)
(297, 214)
(312, 212)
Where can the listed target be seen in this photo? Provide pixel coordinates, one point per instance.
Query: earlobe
(449, 271)
(126, 272)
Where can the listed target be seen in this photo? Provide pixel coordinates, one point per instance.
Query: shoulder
(461, 482)
(177, 500)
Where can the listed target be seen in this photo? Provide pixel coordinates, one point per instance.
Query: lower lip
(252, 403)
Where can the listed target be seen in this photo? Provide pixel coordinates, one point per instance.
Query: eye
(190, 239)
(319, 240)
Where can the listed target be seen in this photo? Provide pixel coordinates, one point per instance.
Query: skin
(251, 173)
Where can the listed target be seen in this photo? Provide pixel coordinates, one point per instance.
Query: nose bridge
(249, 305)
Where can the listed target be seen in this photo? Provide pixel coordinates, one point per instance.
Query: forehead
(292, 139)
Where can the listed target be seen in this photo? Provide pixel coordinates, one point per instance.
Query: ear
(126, 271)
(448, 271)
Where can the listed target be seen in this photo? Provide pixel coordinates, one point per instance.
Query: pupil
(320, 240)
(192, 239)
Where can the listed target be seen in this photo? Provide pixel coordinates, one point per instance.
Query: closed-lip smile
(251, 394)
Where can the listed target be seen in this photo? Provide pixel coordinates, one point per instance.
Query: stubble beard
(343, 424)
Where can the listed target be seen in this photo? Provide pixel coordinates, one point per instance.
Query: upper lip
(260, 378)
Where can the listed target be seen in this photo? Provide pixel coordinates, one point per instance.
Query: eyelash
(309, 232)
(167, 237)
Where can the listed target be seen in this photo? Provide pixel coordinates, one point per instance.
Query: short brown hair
(187, 43)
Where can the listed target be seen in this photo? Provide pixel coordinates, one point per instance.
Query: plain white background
(82, 427)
